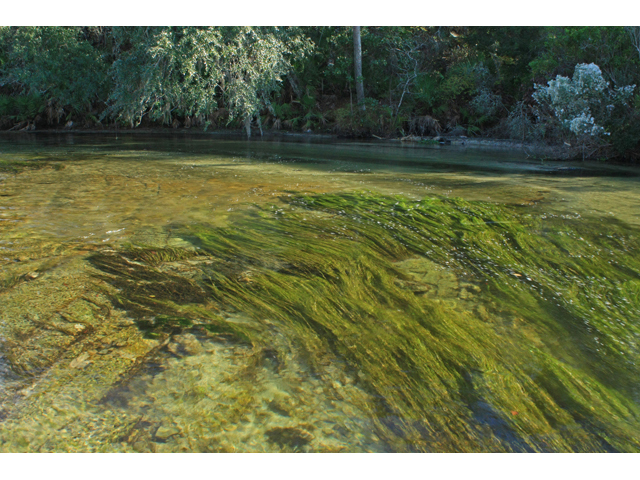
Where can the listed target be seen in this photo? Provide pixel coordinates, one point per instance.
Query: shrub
(376, 119)
(520, 124)
(583, 104)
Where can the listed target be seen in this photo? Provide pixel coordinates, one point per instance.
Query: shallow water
(215, 294)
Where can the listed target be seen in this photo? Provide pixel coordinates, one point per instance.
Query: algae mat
(303, 313)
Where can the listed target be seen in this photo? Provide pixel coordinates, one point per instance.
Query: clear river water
(168, 293)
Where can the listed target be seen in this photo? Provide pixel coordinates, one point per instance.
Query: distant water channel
(210, 294)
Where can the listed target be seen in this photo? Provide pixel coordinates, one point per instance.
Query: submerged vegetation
(416, 81)
(16, 166)
(468, 326)
(176, 304)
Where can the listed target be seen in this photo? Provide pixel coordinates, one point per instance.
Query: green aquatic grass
(154, 256)
(529, 345)
(9, 281)
(17, 166)
(573, 265)
(161, 302)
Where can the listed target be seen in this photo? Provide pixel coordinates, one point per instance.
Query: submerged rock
(189, 343)
(82, 361)
(166, 431)
(292, 437)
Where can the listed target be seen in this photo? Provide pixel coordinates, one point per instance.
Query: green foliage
(458, 81)
(22, 107)
(188, 71)
(507, 52)
(625, 133)
(375, 119)
(54, 62)
(469, 79)
(158, 70)
(608, 47)
(427, 92)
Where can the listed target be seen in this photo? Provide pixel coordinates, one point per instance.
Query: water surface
(216, 295)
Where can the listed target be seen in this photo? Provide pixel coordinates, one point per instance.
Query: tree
(634, 35)
(583, 105)
(161, 71)
(55, 64)
(357, 62)
(610, 48)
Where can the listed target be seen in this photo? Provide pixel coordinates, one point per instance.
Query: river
(165, 293)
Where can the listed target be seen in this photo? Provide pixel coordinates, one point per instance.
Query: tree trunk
(247, 125)
(357, 61)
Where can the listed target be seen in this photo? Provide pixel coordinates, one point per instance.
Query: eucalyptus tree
(357, 63)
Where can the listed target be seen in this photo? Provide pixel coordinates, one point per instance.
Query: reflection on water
(190, 294)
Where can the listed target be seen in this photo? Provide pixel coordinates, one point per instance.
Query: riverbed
(167, 293)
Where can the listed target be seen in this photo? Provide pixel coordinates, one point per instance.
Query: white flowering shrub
(584, 103)
(584, 124)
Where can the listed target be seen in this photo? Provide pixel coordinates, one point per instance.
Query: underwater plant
(470, 326)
